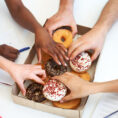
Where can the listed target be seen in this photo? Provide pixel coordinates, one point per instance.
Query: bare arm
(42, 39)
(64, 17)
(81, 88)
(66, 5)
(110, 86)
(95, 38)
(108, 16)
(22, 15)
(20, 73)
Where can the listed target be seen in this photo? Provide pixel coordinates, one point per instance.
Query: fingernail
(65, 64)
(61, 101)
(59, 63)
(24, 93)
(67, 58)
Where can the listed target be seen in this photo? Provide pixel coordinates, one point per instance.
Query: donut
(73, 104)
(63, 36)
(81, 62)
(54, 90)
(84, 75)
(53, 69)
(34, 92)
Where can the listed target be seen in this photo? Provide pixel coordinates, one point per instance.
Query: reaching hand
(64, 18)
(44, 42)
(78, 87)
(20, 73)
(93, 40)
(8, 52)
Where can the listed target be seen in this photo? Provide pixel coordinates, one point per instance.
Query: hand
(93, 40)
(79, 88)
(44, 42)
(8, 52)
(20, 73)
(60, 19)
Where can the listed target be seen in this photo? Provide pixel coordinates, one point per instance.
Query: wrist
(66, 6)
(102, 28)
(38, 29)
(95, 87)
(6, 64)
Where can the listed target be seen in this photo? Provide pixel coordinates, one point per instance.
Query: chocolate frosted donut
(34, 92)
(53, 69)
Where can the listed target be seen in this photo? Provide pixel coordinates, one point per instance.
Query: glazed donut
(54, 90)
(81, 62)
(63, 36)
(34, 92)
(84, 75)
(53, 69)
(73, 104)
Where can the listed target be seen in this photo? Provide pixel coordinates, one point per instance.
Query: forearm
(5, 64)
(66, 5)
(22, 15)
(104, 87)
(108, 16)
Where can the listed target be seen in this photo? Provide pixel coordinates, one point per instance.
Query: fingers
(37, 79)
(95, 54)
(62, 47)
(11, 56)
(61, 56)
(51, 27)
(39, 55)
(64, 78)
(74, 30)
(13, 50)
(78, 51)
(73, 46)
(54, 56)
(40, 73)
(67, 98)
(21, 86)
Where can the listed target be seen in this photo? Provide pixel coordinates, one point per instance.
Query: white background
(86, 13)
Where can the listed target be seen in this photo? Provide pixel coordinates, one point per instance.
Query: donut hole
(63, 39)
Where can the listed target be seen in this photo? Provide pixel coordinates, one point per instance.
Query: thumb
(74, 30)
(67, 98)
(38, 80)
(95, 55)
(39, 55)
(22, 88)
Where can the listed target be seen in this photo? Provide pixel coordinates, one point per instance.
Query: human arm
(9, 52)
(42, 39)
(80, 88)
(64, 17)
(95, 38)
(20, 73)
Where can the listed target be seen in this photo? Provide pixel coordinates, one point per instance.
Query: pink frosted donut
(54, 90)
(81, 62)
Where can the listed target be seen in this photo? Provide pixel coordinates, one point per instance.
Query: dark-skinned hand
(9, 52)
(44, 42)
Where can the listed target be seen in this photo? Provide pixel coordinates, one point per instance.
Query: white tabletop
(85, 12)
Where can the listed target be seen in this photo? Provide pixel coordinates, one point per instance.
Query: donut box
(46, 105)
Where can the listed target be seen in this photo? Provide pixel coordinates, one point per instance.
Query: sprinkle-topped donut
(54, 90)
(81, 62)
